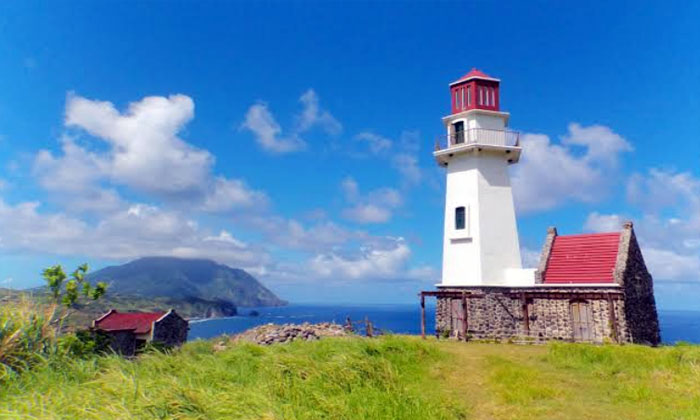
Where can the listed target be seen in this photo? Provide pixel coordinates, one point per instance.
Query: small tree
(69, 293)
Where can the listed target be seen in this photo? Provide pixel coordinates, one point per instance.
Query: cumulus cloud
(375, 207)
(137, 231)
(144, 153)
(145, 150)
(550, 174)
(229, 194)
(371, 262)
(268, 133)
(669, 225)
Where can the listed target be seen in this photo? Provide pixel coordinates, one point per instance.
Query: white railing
(486, 136)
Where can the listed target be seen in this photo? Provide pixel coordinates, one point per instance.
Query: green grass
(392, 377)
(355, 378)
(26, 337)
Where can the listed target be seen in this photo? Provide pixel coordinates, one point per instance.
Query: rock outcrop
(272, 334)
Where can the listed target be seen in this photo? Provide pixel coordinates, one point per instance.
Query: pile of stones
(272, 334)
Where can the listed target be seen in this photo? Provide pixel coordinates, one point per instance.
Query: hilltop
(195, 288)
(186, 279)
(392, 377)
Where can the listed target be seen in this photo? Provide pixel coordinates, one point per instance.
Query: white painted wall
(487, 252)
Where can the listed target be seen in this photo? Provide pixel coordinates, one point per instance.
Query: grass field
(387, 378)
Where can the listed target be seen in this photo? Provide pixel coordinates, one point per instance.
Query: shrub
(26, 336)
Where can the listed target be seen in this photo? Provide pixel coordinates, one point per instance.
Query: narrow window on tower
(456, 99)
(462, 94)
(493, 97)
(469, 96)
(460, 218)
(486, 93)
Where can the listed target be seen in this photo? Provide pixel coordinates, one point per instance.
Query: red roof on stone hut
(586, 258)
(140, 322)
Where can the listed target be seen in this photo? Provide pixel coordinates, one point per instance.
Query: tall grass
(26, 336)
(386, 378)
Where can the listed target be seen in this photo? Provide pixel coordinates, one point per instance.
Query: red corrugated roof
(140, 322)
(588, 258)
(474, 73)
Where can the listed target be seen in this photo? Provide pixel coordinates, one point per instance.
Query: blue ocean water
(401, 319)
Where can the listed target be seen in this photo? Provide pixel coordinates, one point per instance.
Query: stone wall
(122, 342)
(632, 274)
(499, 316)
(170, 330)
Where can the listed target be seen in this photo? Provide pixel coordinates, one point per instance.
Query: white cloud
(530, 257)
(550, 175)
(292, 234)
(407, 166)
(140, 230)
(601, 143)
(597, 222)
(664, 189)
(375, 207)
(229, 194)
(367, 213)
(372, 262)
(267, 131)
(143, 153)
(313, 116)
(146, 152)
(669, 226)
(226, 237)
(377, 144)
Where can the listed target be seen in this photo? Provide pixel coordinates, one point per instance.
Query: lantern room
(475, 90)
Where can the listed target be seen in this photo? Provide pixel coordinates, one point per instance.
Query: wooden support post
(465, 316)
(613, 318)
(422, 315)
(526, 314)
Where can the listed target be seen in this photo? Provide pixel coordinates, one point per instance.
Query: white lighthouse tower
(480, 236)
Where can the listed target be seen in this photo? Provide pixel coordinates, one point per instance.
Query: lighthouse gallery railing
(485, 136)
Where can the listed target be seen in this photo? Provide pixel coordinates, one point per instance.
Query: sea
(676, 326)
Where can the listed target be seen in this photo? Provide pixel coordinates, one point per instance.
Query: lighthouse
(587, 287)
(480, 234)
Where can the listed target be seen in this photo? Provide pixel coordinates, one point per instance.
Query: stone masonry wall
(638, 286)
(171, 330)
(498, 316)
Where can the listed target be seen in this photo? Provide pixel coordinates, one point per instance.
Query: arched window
(460, 218)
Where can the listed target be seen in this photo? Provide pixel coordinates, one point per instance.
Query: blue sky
(294, 139)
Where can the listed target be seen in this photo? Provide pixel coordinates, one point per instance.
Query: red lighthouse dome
(475, 90)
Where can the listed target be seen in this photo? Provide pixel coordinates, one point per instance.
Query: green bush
(26, 337)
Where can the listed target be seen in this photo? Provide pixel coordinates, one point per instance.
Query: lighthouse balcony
(506, 141)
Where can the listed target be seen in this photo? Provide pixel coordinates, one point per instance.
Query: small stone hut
(129, 331)
(588, 288)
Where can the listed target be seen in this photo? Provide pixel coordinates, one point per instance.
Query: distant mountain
(187, 280)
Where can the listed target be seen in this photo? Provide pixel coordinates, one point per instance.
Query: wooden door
(457, 328)
(582, 321)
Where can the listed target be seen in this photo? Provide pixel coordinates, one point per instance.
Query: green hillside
(184, 279)
(393, 377)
